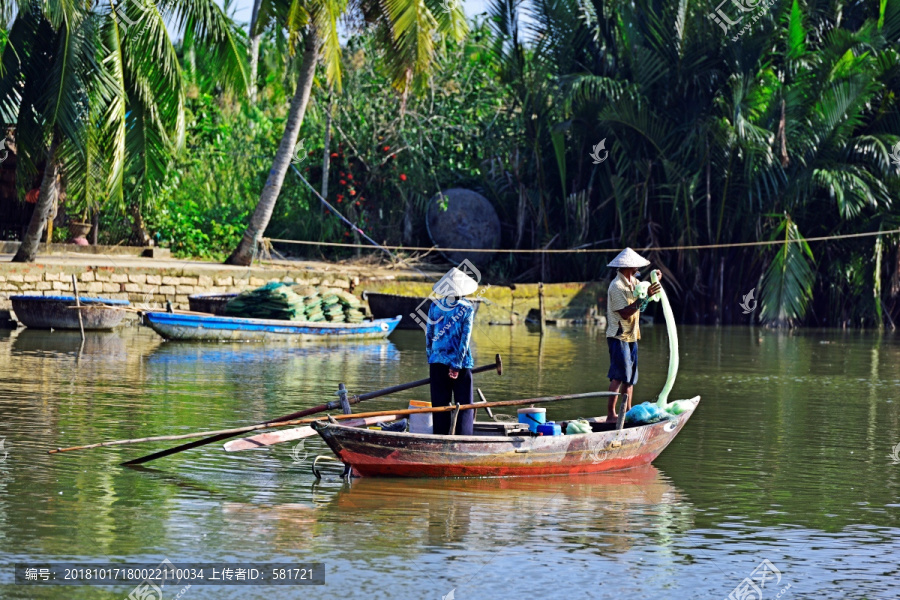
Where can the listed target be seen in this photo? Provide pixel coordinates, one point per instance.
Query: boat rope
(581, 250)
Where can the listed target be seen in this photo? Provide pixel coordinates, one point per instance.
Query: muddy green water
(788, 459)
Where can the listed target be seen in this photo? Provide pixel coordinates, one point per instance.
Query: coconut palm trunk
(243, 254)
(254, 50)
(46, 202)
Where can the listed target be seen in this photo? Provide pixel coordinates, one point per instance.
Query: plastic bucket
(421, 422)
(533, 417)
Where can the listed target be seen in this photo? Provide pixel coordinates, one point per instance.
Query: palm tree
(406, 29)
(709, 137)
(97, 96)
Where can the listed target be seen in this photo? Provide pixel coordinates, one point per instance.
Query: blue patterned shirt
(448, 336)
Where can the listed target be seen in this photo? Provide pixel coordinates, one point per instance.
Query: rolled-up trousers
(442, 388)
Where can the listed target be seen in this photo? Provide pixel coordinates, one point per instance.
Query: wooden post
(78, 307)
(453, 418)
(541, 304)
(345, 403)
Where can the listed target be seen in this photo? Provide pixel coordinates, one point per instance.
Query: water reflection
(786, 459)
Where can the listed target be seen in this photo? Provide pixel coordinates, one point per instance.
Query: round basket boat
(54, 312)
(461, 218)
(213, 304)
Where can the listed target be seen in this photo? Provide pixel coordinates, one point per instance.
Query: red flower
(357, 202)
(402, 176)
(342, 182)
(341, 173)
(352, 192)
(340, 197)
(349, 175)
(334, 155)
(386, 148)
(346, 234)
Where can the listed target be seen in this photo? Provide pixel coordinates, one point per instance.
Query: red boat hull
(374, 453)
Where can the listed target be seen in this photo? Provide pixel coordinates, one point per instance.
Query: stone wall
(149, 287)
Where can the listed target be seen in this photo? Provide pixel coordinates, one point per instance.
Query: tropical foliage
(95, 93)
(588, 124)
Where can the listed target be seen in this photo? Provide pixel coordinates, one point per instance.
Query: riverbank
(152, 282)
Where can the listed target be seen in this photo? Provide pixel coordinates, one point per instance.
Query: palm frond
(788, 281)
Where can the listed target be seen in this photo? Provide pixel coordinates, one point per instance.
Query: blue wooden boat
(57, 312)
(213, 328)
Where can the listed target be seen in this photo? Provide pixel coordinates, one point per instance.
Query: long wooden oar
(334, 404)
(272, 424)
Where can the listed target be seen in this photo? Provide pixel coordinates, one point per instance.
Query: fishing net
(644, 413)
(661, 297)
(575, 427)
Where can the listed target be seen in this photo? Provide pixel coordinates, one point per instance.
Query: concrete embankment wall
(511, 304)
(151, 283)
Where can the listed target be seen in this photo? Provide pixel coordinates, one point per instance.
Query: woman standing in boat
(448, 338)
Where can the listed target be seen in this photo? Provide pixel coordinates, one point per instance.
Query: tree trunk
(95, 227)
(139, 234)
(243, 254)
(46, 202)
(254, 50)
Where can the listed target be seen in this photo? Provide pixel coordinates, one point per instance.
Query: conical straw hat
(628, 258)
(455, 283)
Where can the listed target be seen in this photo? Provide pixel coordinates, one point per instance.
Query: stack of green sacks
(297, 303)
(331, 306)
(352, 307)
(272, 301)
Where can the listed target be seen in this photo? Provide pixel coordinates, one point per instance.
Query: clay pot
(79, 233)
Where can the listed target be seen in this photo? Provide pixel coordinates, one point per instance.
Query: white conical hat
(455, 283)
(628, 258)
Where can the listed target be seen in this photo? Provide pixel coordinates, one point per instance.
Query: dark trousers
(442, 388)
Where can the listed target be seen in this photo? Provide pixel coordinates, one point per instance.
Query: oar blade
(264, 440)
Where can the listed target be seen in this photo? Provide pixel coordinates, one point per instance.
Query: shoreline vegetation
(586, 125)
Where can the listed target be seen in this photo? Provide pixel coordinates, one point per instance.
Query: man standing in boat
(623, 313)
(448, 338)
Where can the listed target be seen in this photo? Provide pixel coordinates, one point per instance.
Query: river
(788, 459)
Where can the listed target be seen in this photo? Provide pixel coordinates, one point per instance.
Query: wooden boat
(412, 309)
(212, 328)
(213, 304)
(373, 453)
(57, 312)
